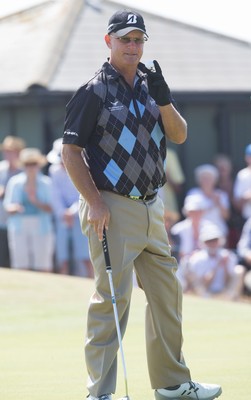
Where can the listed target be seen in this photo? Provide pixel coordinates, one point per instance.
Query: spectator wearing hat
(218, 205)
(9, 166)
(71, 245)
(28, 201)
(242, 187)
(214, 270)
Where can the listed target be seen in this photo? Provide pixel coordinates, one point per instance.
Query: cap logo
(132, 19)
(123, 22)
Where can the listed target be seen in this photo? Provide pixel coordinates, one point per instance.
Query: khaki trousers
(136, 239)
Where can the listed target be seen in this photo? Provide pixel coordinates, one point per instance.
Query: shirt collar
(112, 73)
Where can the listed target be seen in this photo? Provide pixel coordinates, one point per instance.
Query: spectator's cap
(194, 202)
(248, 150)
(54, 156)
(123, 22)
(210, 231)
(12, 143)
(32, 155)
(206, 169)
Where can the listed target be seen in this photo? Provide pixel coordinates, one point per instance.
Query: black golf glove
(157, 86)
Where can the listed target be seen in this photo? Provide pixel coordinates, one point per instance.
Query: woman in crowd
(218, 207)
(28, 203)
(9, 166)
(72, 253)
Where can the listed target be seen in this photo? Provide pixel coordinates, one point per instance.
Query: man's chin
(132, 60)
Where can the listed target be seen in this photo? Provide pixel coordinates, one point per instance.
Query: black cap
(123, 22)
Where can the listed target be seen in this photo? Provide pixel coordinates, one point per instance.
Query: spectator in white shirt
(185, 233)
(188, 229)
(214, 270)
(218, 205)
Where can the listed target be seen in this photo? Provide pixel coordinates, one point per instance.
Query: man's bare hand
(99, 217)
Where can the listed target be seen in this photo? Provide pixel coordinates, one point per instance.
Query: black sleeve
(81, 116)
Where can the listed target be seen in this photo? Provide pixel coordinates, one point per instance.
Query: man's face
(212, 246)
(207, 181)
(127, 50)
(195, 215)
(11, 155)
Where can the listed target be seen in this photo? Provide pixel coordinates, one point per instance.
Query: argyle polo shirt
(121, 132)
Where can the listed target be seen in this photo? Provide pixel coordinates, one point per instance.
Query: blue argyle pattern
(127, 147)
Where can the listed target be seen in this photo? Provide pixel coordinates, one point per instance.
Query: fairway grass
(42, 327)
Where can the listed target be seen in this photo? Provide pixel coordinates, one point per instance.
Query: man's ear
(108, 41)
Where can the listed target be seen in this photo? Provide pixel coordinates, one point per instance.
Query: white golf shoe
(102, 397)
(189, 390)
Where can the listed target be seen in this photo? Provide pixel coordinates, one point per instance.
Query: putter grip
(106, 251)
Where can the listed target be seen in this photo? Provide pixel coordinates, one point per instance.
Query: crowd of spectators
(210, 233)
(40, 229)
(212, 239)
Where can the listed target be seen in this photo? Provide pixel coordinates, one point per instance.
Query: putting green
(42, 329)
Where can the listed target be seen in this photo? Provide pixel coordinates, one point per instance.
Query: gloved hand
(157, 86)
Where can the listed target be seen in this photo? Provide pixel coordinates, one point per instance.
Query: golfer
(114, 147)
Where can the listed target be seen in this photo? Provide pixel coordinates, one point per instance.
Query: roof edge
(24, 10)
(57, 45)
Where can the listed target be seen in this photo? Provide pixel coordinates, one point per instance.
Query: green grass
(42, 326)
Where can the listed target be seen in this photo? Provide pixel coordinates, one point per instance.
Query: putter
(113, 297)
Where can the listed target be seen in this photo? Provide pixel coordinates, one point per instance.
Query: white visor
(125, 31)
